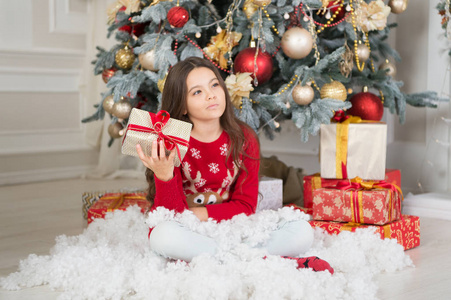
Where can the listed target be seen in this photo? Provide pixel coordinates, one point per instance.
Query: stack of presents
(353, 190)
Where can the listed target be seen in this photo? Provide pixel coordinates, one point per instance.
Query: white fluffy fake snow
(111, 260)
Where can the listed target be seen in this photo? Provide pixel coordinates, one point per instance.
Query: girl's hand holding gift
(161, 165)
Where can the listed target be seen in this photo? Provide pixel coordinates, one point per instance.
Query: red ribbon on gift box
(159, 120)
(357, 185)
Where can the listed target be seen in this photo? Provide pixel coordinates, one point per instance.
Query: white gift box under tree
(364, 151)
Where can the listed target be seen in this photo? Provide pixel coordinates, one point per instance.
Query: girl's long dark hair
(174, 97)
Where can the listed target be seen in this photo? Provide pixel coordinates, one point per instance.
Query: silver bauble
(391, 68)
(108, 103)
(398, 6)
(297, 43)
(363, 53)
(147, 60)
(116, 130)
(122, 109)
(303, 94)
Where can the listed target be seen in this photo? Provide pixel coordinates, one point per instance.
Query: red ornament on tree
(366, 106)
(244, 62)
(177, 16)
(107, 74)
(337, 6)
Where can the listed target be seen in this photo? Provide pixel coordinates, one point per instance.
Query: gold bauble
(398, 6)
(125, 58)
(147, 60)
(297, 43)
(363, 53)
(334, 90)
(116, 130)
(108, 103)
(388, 65)
(122, 109)
(303, 94)
(262, 3)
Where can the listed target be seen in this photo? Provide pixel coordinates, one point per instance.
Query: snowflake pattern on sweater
(213, 174)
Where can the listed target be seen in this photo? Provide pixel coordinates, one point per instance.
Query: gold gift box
(144, 127)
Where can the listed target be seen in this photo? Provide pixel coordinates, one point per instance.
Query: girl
(218, 177)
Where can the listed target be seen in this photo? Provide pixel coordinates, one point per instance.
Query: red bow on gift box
(159, 121)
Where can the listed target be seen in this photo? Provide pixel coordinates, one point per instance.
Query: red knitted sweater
(206, 169)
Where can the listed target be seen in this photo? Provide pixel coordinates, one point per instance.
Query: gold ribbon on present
(357, 185)
(350, 226)
(119, 200)
(341, 155)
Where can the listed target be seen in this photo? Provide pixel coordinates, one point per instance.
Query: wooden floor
(32, 215)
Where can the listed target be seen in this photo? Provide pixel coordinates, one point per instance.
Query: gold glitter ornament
(297, 43)
(249, 8)
(122, 109)
(388, 65)
(108, 103)
(147, 60)
(262, 3)
(116, 130)
(125, 58)
(303, 94)
(362, 52)
(398, 6)
(334, 90)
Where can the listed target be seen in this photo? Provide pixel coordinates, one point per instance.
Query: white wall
(42, 53)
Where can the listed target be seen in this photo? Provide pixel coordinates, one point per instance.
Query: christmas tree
(304, 61)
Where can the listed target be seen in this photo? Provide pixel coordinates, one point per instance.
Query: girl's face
(206, 99)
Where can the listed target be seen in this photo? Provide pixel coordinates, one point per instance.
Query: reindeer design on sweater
(198, 195)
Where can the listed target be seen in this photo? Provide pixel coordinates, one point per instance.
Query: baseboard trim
(44, 175)
(430, 205)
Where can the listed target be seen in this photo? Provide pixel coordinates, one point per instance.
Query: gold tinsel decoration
(347, 63)
(125, 58)
(334, 90)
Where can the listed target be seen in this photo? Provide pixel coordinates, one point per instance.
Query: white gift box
(366, 149)
(270, 193)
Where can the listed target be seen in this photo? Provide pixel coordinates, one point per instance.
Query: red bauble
(107, 74)
(244, 62)
(137, 29)
(366, 106)
(177, 16)
(341, 13)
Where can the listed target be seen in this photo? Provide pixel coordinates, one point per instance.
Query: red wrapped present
(405, 230)
(112, 201)
(313, 182)
(358, 201)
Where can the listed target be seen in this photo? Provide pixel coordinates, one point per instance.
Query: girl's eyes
(216, 84)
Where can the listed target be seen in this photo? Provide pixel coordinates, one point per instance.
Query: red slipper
(312, 262)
